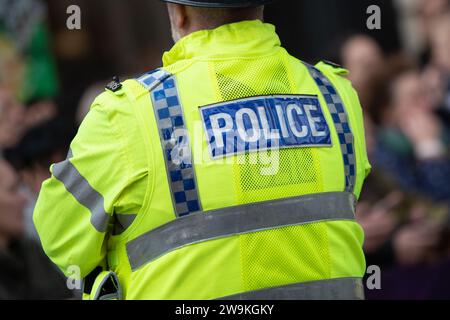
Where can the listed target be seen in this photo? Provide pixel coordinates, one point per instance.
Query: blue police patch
(265, 123)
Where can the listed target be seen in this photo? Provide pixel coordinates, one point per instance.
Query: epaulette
(114, 85)
(333, 64)
(337, 68)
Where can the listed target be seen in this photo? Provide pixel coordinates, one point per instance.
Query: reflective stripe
(243, 219)
(82, 191)
(333, 289)
(174, 140)
(341, 123)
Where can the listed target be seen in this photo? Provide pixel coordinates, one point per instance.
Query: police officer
(230, 172)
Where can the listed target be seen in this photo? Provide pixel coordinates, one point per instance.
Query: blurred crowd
(404, 207)
(32, 137)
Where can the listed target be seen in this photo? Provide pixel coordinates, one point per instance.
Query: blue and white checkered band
(153, 78)
(341, 123)
(174, 140)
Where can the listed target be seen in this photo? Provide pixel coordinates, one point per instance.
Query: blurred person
(429, 11)
(413, 40)
(24, 77)
(12, 205)
(23, 23)
(419, 239)
(440, 42)
(390, 215)
(41, 146)
(377, 221)
(415, 23)
(39, 111)
(11, 119)
(412, 257)
(133, 179)
(404, 233)
(25, 271)
(364, 59)
(412, 143)
(12, 67)
(16, 119)
(401, 228)
(413, 254)
(437, 73)
(26, 63)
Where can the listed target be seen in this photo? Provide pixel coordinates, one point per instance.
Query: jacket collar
(244, 39)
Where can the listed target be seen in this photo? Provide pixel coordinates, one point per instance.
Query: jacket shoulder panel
(328, 66)
(117, 94)
(338, 76)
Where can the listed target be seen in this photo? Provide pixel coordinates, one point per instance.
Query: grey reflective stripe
(123, 222)
(243, 219)
(341, 124)
(333, 289)
(174, 141)
(83, 192)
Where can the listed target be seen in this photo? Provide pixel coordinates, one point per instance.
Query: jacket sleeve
(75, 206)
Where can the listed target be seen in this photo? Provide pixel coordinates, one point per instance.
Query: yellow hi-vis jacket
(230, 172)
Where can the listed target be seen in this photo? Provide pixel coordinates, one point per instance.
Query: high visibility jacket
(155, 189)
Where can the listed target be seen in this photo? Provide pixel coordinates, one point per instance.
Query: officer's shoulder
(118, 92)
(140, 85)
(331, 67)
(130, 88)
(337, 74)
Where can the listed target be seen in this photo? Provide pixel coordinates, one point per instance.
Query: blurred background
(49, 76)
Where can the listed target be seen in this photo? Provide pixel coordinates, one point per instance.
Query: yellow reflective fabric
(231, 62)
(225, 267)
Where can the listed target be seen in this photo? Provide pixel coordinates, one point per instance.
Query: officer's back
(234, 171)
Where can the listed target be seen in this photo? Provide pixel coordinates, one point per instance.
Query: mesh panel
(284, 256)
(237, 80)
(293, 172)
(267, 175)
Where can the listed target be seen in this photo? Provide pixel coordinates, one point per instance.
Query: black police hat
(221, 3)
